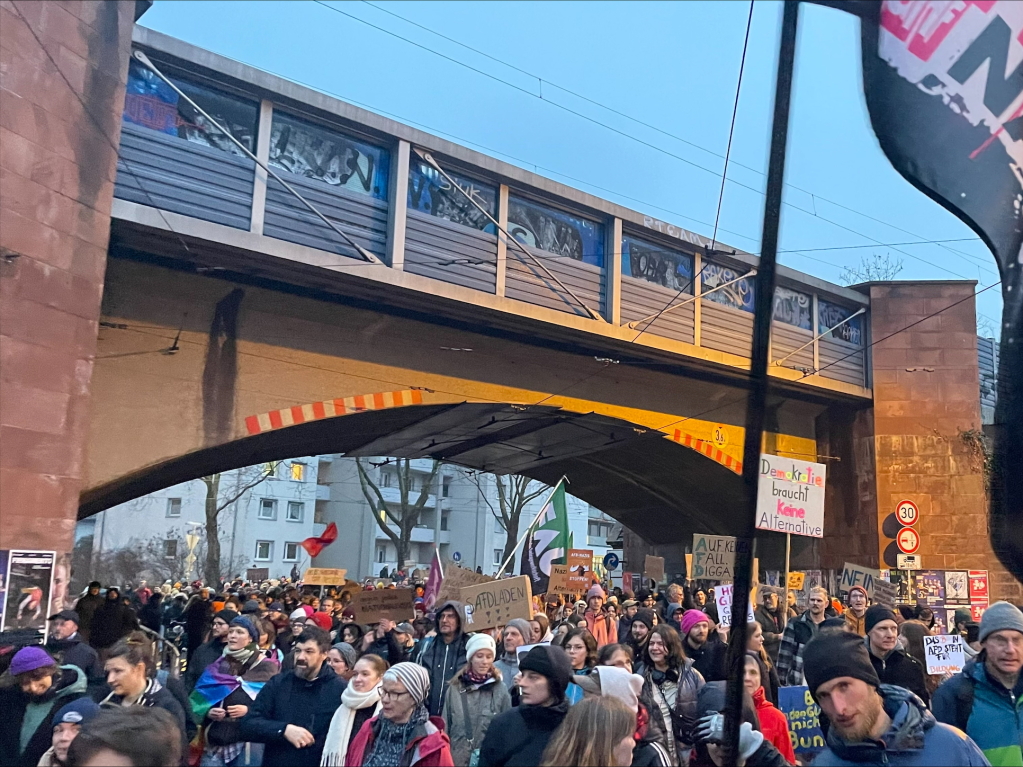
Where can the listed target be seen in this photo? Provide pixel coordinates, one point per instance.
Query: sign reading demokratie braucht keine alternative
(790, 496)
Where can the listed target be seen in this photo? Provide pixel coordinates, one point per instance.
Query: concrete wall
(57, 167)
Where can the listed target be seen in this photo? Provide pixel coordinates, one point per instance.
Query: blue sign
(804, 719)
(456, 557)
(611, 561)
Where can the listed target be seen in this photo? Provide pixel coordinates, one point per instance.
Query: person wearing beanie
(209, 651)
(519, 735)
(639, 633)
(798, 632)
(517, 633)
(629, 609)
(321, 620)
(224, 692)
(891, 662)
(66, 725)
(32, 690)
(476, 696)
(985, 699)
(403, 732)
(600, 624)
(704, 648)
(856, 603)
(286, 638)
(871, 722)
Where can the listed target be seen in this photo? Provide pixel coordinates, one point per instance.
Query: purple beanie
(29, 659)
(691, 618)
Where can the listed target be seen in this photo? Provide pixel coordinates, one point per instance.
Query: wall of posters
(654, 263)
(29, 585)
(555, 231)
(429, 192)
(4, 559)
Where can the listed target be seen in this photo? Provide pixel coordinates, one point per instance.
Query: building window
(264, 551)
(268, 508)
(551, 230)
(737, 295)
(793, 308)
(385, 479)
(444, 520)
(296, 511)
(497, 557)
(429, 192)
(270, 469)
(380, 554)
(298, 471)
(290, 552)
(599, 529)
(445, 487)
(654, 263)
(173, 507)
(832, 316)
(170, 548)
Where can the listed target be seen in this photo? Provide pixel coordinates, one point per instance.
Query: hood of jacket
(459, 609)
(910, 722)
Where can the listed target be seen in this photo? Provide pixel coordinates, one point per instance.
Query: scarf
(339, 736)
(217, 682)
(244, 655)
(472, 678)
(392, 739)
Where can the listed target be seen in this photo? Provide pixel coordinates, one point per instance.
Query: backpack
(964, 702)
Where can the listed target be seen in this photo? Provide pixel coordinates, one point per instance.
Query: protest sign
(580, 570)
(456, 579)
(494, 604)
(796, 581)
(653, 568)
(257, 574)
(324, 576)
(857, 575)
(723, 596)
(558, 583)
(790, 496)
(885, 593)
(944, 653)
(714, 557)
(392, 604)
(689, 565)
(804, 719)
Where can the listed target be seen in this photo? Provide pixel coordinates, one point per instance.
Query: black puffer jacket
(518, 737)
(901, 670)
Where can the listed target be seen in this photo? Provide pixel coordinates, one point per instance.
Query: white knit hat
(479, 642)
(298, 615)
(618, 683)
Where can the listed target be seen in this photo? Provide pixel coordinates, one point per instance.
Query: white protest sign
(944, 653)
(723, 595)
(790, 496)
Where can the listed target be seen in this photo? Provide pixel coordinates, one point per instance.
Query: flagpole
(759, 359)
(523, 536)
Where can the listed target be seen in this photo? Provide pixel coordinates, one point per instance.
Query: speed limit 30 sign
(907, 513)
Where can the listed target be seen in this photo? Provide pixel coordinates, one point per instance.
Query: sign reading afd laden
(790, 496)
(494, 604)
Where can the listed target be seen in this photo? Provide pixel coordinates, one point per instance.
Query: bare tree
(404, 514)
(512, 498)
(215, 504)
(875, 268)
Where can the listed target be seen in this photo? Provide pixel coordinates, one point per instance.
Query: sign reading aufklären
(790, 496)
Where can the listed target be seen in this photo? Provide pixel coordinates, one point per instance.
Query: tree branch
(368, 484)
(245, 488)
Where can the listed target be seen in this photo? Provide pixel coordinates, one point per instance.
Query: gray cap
(405, 628)
(1001, 616)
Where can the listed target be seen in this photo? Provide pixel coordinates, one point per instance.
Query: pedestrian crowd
(274, 674)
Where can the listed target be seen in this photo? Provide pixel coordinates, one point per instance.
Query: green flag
(547, 541)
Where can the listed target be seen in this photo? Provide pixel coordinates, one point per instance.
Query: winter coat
(228, 731)
(111, 621)
(468, 711)
(86, 608)
(901, 669)
(914, 738)
(388, 648)
(775, 725)
(508, 665)
(773, 626)
(75, 652)
(158, 696)
(442, 660)
(994, 721)
(26, 723)
(709, 660)
(797, 633)
(649, 750)
(203, 656)
(671, 699)
(518, 737)
(602, 627)
(428, 746)
(289, 699)
(855, 625)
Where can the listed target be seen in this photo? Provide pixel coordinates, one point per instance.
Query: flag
(944, 88)
(547, 541)
(315, 545)
(434, 581)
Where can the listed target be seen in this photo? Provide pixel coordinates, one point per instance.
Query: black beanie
(551, 662)
(644, 615)
(227, 615)
(875, 614)
(830, 656)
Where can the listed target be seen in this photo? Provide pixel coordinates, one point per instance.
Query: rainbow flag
(215, 684)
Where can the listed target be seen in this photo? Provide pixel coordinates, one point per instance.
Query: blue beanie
(248, 625)
(77, 712)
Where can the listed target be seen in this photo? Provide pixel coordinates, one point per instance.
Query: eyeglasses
(391, 695)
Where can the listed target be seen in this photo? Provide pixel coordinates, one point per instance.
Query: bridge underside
(659, 489)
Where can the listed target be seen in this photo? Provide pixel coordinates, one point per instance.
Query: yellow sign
(324, 576)
(796, 581)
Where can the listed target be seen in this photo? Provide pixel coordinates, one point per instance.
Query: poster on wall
(29, 585)
(4, 558)
(957, 588)
(929, 587)
(978, 586)
(61, 597)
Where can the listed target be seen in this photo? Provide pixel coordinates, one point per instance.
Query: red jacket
(773, 724)
(430, 746)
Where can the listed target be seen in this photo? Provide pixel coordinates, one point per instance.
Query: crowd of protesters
(276, 674)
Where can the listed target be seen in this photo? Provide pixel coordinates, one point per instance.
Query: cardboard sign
(804, 719)
(490, 605)
(456, 579)
(885, 593)
(714, 557)
(796, 581)
(580, 570)
(944, 653)
(653, 568)
(856, 575)
(558, 583)
(689, 565)
(392, 604)
(324, 576)
(790, 496)
(723, 596)
(257, 574)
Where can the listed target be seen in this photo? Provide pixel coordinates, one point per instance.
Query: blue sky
(673, 66)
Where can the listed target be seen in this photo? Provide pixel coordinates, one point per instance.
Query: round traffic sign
(907, 513)
(908, 540)
(611, 561)
(456, 557)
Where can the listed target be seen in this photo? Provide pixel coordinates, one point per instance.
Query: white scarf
(339, 735)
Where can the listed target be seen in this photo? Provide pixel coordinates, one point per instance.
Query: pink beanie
(308, 610)
(691, 618)
(595, 591)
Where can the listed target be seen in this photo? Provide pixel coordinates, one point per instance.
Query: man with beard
(704, 649)
(292, 713)
(874, 723)
(442, 655)
(797, 634)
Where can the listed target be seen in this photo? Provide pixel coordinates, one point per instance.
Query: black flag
(944, 87)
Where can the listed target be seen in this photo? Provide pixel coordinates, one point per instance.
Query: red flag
(316, 544)
(433, 582)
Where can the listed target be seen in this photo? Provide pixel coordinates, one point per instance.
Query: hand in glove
(710, 730)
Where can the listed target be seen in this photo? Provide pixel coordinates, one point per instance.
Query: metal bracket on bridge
(143, 59)
(636, 323)
(428, 158)
(820, 335)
